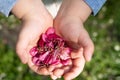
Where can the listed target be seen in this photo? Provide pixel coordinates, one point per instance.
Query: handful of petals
(51, 49)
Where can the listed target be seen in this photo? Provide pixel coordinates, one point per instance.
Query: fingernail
(89, 58)
(59, 76)
(25, 58)
(51, 73)
(24, 61)
(54, 77)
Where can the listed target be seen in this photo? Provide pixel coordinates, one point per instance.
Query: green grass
(104, 30)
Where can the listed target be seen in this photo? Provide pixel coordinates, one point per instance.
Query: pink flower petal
(50, 44)
(36, 61)
(53, 37)
(33, 51)
(50, 49)
(65, 53)
(50, 31)
(56, 62)
(51, 59)
(48, 59)
(41, 43)
(65, 62)
(44, 37)
(43, 56)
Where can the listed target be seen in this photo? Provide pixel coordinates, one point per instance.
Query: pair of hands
(68, 24)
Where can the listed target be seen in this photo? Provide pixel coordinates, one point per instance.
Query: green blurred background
(104, 30)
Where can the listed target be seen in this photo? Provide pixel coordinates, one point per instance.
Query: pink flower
(50, 49)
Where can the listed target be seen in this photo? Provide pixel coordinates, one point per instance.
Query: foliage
(104, 31)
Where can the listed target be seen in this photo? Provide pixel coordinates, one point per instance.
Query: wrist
(76, 8)
(21, 8)
(25, 9)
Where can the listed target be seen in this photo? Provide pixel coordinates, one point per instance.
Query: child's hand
(69, 24)
(72, 70)
(72, 29)
(35, 20)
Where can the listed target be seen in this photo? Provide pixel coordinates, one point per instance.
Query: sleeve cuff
(95, 5)
(6, 6)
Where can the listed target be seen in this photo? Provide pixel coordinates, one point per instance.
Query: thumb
(87, 44)
(21, 50)
(88, 50)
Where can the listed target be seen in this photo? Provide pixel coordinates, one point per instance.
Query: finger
(52, 67)
(88, 50)
(42, 70)
(87, 45)
(21, 50)
(77, 68)
(58, 72)
(77, 53)
(67, 68)
(53, 77)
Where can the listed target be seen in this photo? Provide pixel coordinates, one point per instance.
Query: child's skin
(68, 23)
(35, 20)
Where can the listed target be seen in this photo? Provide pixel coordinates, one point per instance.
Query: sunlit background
(104, 29)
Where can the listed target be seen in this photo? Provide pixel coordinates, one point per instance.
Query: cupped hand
(73, 31)
(34, 23)
(36, 20)
(69, 24)
(72, 70)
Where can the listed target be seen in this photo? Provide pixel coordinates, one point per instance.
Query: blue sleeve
(95, 5)
(6, 6)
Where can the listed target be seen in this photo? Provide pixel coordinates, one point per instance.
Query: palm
(72, 30)
(29, 35)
